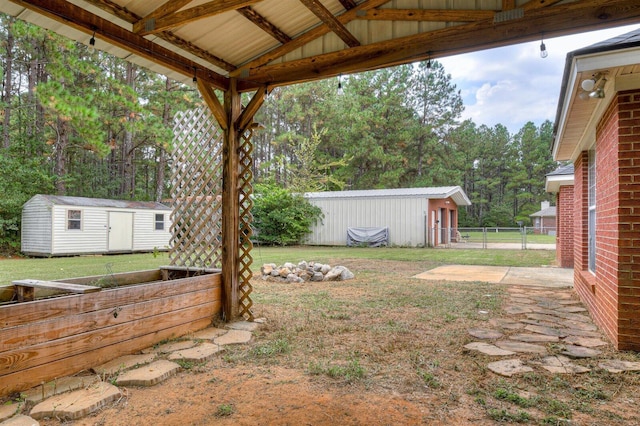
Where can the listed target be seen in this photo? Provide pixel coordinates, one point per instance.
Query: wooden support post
(230, 208)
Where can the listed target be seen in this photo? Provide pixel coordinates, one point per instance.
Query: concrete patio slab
(148, 375)
(76, 404)
(535, 277)
(491, 274)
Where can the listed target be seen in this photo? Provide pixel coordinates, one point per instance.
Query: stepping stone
(55, 387)
(544, 317)
(532, 338)
(579, 325)
(76, 404)
(521, 347)
(509, 367)
(123, 363)
(569, 302)
(233, 337)
(8, 410)
(549, 304)
(517, 309)
(244, 325)
(582, 333)
(579, 351)
(618, 366)
(506, 323)
(200, 353)
(571, 309)
(209, 333)
(545, 311)
(585, 341)
(522, 300)
(171, 347)
(574, 317)
(483, 333)
(148, 375)
(488, 349)
(549, 331)
(562, 365)
(21, 420)
(540, 323)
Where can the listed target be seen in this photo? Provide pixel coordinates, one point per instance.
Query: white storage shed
(60, 226)
(416, 217)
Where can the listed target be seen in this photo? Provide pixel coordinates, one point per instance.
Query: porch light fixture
(593, 87)
(543, 49)
(340, 90)
(92, 42)
(195, 78)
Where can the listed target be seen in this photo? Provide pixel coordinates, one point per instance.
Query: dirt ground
(382, 349)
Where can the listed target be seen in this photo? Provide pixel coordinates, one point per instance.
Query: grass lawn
(79, 266)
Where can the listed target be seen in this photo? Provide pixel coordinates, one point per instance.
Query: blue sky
(513, 85)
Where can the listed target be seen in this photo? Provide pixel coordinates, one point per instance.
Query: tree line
(84, 123)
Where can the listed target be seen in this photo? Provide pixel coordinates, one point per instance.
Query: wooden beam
(264, 24)
(305, 38)
(148, 26)
(434, 15)
(167, 8)
(191, 48)
(331, 21)
(250, 111)
(561, 19)
(213, 103)
(80, 19)
(230, 204)
(348, 4)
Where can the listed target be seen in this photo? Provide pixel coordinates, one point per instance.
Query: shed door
(120, 231)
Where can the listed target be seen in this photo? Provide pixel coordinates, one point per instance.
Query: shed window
(74, 219)
(591, 177)
(159, 222)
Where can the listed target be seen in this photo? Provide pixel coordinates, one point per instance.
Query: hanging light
(429, 64)
(195, 78)
(92, 42)
(340, 90)
(543, 50)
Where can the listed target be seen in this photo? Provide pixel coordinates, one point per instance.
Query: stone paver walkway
(71, 398)
(547, 329)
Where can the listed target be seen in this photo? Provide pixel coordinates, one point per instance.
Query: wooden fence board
(78, 323)
(41, 310)
(32, 356)
(25, 379)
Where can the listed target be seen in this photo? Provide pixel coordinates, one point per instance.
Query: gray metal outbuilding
(60, 226)
(412, 216)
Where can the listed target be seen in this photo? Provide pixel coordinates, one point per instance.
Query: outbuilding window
(74, 219)
(591, 176)
(159, 224)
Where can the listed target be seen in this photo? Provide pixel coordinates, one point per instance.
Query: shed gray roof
(455, 192)
(548, 212)
(102, 202)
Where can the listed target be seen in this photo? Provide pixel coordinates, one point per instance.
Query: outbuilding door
(120, 231)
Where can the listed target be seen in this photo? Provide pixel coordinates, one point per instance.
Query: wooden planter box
(51, 338)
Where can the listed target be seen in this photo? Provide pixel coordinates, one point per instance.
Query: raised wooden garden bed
(45, 339)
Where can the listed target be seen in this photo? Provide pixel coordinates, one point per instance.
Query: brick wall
(613, 294)
(564, 218)
(628, 273)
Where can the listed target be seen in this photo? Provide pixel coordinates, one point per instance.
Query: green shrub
(280, 217)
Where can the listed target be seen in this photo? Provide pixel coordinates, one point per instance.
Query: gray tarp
(373, 237)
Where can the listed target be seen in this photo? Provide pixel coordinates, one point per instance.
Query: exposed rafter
(437, 15)
(152, 25)
(583, 15)
(264, 24)
(348, 4)
(331, 21)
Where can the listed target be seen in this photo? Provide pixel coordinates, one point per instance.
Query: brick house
(597, 128)
(560, 183)
(544, 220)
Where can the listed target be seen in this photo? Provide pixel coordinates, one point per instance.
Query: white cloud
(512, 85)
